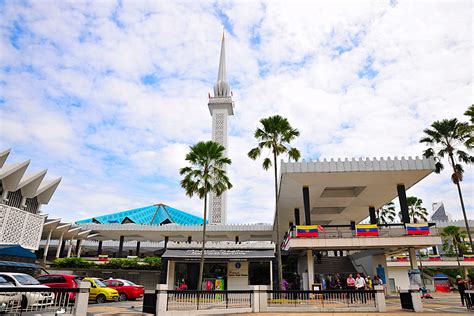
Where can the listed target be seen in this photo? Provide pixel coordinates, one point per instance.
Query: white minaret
(220, 106)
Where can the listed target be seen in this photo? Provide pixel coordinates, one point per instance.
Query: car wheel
(123, 297)
(100, 299)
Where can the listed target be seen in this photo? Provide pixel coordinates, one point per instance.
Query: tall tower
(220, 107)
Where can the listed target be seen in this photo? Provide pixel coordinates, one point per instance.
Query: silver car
(29, 299)
(8, 299)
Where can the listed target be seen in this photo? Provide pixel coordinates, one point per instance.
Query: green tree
(448, 137)
(275, 134)
(386, 214)
(453, 243)
(470, 128)
(415, 209)
(205, 174)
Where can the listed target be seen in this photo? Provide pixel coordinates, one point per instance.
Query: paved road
(442, 304)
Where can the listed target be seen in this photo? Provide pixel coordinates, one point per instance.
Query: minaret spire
(222, 88)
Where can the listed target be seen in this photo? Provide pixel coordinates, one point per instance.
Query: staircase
(332, 265)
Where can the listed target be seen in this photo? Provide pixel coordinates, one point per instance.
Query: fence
(39, 300)
(205, 300)
(322, 299)
(260, 299)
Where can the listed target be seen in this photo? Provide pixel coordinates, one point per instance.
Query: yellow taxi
(99, 292)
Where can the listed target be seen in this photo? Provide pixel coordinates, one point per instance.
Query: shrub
(122, 263)
(153, 262)
(72, 262)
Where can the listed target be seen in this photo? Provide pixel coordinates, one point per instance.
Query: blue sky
(110, 94)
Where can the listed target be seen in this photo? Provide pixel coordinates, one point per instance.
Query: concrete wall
(400, 276)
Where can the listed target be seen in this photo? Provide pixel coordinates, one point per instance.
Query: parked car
(61, 281)
(29, 299)
(99, 292)
(8, 299)
(127, 289)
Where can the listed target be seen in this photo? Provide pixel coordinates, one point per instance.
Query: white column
(79, 249)
(82, 299)
(46, 248)
(69, 249)
(310, 261)
(271, 275)
(380, 299)
(58, 251)
(413, 261)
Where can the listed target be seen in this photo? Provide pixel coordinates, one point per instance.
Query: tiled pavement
(441, 304)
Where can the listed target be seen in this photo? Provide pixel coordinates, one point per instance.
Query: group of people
(463, 285)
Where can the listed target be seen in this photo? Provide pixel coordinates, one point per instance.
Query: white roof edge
(46, 190)
(3, 156)
(174, 228)
(8, 170)
(30, 177)
(359, 164)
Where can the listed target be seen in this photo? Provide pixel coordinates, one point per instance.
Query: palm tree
(206, 174)
(275, 134)
(470, 113)
(416, 210)
(386, 214)
(449, 136)
(454, 242)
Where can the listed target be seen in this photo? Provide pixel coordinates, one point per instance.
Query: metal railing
(19, 300)
(322, 299)
(205, 300)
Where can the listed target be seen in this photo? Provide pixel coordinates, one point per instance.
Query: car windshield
(99, 283)
(26, 279)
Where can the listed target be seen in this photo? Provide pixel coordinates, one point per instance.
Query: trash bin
(149, 302)
(406, 300)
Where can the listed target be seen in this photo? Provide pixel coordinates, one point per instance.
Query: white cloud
(359, 79)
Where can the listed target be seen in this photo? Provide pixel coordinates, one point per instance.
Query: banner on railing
(367, 230)
(434, 257)
(307, 231)
(103, 257)
(417, 229)
(401, 258)
(468, 257)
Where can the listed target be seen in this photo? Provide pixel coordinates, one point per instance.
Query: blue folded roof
(157, 214)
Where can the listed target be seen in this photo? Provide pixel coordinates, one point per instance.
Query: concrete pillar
(256, 299)
(310, 261)
(82, 299)
(380, 303)
(263, 301)
(99, 248)
(297, 216)
(78, 245)
(373, 218)
(161, 300)
(307, 206)
(46, 248)
(402, 198)
(271, 274)
(170, 275)
(69, 250)
(60, 242)
(137, 252)
(417, 303)
(413, 260)
(120, 250)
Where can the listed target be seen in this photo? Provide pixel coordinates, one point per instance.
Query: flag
(434, 257)
(469, 257)
(307, 231)
(401, 258)
(417, 229)
(320, 228)
(367, 230)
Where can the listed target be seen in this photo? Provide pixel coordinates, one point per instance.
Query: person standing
(360, 286)
(350, 282)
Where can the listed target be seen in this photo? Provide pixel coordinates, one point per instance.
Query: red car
(60, 281)
(127, 289)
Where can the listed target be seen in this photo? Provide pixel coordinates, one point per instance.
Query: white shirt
(360, 283)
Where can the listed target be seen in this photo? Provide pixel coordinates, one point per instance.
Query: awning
(16, 250)
(219, 254)
(19, 264)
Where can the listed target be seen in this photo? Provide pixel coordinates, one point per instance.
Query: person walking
(461, 288)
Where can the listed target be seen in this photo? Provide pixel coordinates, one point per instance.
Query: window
(8, 279)
(44, 279)
(4, 282)
(26, 279)
(259, 273)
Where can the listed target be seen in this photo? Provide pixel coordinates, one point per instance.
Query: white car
(8, 299)
(29, 299)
